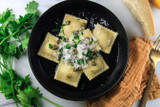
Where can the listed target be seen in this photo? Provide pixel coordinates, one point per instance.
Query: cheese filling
(77, 50)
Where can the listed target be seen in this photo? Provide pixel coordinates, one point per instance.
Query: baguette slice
(142, 11)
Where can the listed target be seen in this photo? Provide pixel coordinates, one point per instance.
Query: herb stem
(7, 37)
(14, 34)
(12, 77)
(12, 86)
(51, 102)
(4, 66)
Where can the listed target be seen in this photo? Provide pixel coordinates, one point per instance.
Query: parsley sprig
(12, 32)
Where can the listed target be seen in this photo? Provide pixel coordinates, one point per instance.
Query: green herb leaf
(5, 86)
(25, 41)
(55, 30)
(50, 46)
(64, 25)
(83, 61)
(91, 41)
(76, 37)
(32, 8)
(63, 39)
(61, 49)
(29, 96)
(80, 61)
(71, 64)
(90, 54)
(10, 49)
(81, 33)
(12, 85)
(67, 46)
(78, 19)
(83, 54)
(6, 16)
(74, 45)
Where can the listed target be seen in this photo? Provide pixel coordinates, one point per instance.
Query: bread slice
(142, 11)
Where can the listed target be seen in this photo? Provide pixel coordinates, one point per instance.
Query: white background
(116, 6)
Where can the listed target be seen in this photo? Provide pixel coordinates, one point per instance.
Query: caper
(68, 22)
(58, 41)
(66, 40)
(69, 76)
(87, 38)
(93, 63)
(81, 42)
(83, 24)
(94, 56)
(59, 58)
(78, 69)
(54, 47)
(81, 29)
(75, 33)
(74, 51)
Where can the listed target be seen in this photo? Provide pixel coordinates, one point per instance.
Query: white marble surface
(116, 6)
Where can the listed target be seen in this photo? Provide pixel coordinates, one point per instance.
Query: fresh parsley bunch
(14, 36)
(13, 31)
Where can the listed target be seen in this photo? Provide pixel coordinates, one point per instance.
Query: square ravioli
(87, 33)
(105, 36)
(66, 74)
(71, 24)
(46, 51)
(94, 70)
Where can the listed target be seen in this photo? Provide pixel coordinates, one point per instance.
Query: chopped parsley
(67, 46)
(83, 61)
(63, 39)
(62, 31)
(90, 54)
(55, 30)
(81, 33)
(71, 64)
(61, 49)
(80, 61)
(83, 54)
(77, 31)
(61, 54)
(74, 45)
(76, 42)
(76, 37)
(50, 46)
(78, 19)
(91, 41)
(96, 41)
(64, 25)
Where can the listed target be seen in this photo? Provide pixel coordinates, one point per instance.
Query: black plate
(43, 69)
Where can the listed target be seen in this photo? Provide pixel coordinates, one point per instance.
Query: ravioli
(105, 36)
(92, 71)
(71, 24)
(80, 49)
(45, 51)
(66, 74)
(87, 33)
